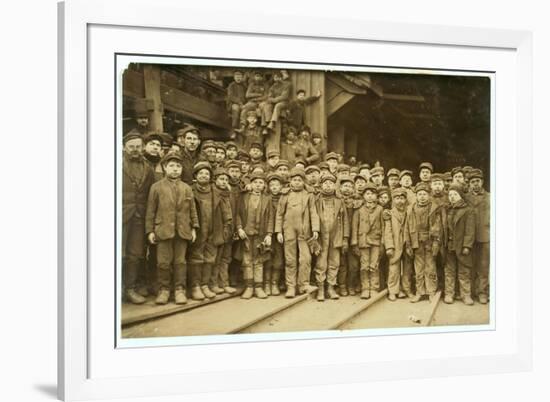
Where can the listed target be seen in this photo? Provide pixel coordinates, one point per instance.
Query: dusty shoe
(343, 291)
(365, 294)
(415, 298)
(216, 289)
(483, 299)
(259, 292)
(352, 291)
(162, 297)
(270, 125)
(448, 299)
(207, 292)
(142, 290)
(321, 293)
(267, 288)
(332, 293)
(196, 293)
(392, 297)
(308, 289)
(229, 290)
(134, 297)
(468, 300)
(275, 289)
(248, 293)
(290, 292)
(401, 295)
(179, 296)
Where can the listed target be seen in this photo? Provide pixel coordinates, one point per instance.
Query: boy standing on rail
(275, 265)
(297, 222)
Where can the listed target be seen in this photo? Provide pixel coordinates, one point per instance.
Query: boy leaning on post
(171, 223)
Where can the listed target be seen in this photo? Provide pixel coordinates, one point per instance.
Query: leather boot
(267, 288)
(331, 292)
(162, 297)
(321, 292)
(343, 290)
(290, 292)
(365, 290)
(179, 295)
(248, 292)
(416, 298)
(259, 292)
(448, 299)
(134, 297)
(207, 292)
(352, 291)
(468, 300)
(392, 297)
(196, 293)
(483, 299)
(229, 290)
(275, 276)
(143, 291)
(217, 290)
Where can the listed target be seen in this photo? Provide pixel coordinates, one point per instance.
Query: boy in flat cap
(189, 139)
(423, 237)
(274, 266)
(349, 269)
(360, 185)
(231, 150)
(171, 223)
(317, 142)
(255, 229)
(208, 153)
(273, 157)
(400, 270)
(137, 178)
(480, 201)
(297, 107)
(289, 147)
(313, 178)
(277, 98)
(393, 178)
(297, 222)
(305, 147)
(364, 170)
(366, 238)
(377, 175)
(405, 179)
(251, 133)
(236, 98)
(141, 114)
(236, 189)
(460, 241)
(332, 159)
(385, 201)
(152, 153)
(255, 94)
(219, 280)
(447, 179)
(441, 200)
(215, 222)
(425, 171)
(459, 178)
(282, 168)
(335, 232)
(220, 153)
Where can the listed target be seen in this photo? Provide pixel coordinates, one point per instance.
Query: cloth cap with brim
(384, 189)
(343, 168)
(436, 177)
(392, 172)
(187, 129)
(331, 155)
(426, 165)
(208, 144)
(305, 128)
(346, 178)
(256, 145)
(243, 156)
(251, 113)
(364, 166)
(456, 170)
(328, 176)
(220, 171)
(354, 169)
(476, 174)
(221, 145)
(371, 187)
(167, 139)
(458, 188)
(272, 152)
(172, 156)
(467, 169)
(316, 135)
(152, 137)
(400, 191)
(312, 168)
(297, 172)
(323, 165)
(405, 173)
(201, 165)
(257, 175)
(300, 160)
(230, 144)
(359, 177)
(422, 187)
(132, 135)
(274, 176)
(447, 176)
(379, 170)
(282, 162)
(232, 164)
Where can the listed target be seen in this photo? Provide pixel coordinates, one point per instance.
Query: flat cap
(343, 168)
(153, 136)
(436, 177)
(167, 139)
(232, 164)
(243, 156)
(272, 152)
(316, 135)
(208, 144)
(399, 191)
(188, 128)
(328, 176)
(426, 165)
(372, 187)
(219, 171)
(476, 174)
(422, 186)
(300, 160)
(297, 172)
(359, 177)
(221, 145)
(345, 178)
(456, 170)
(405, 173)
(274, 176)
(364, 166)
(132, 135)
(331, 155)
(172, 156)
(393, 172)
(256, 175)
(378, 170)
(230, 144)
(282, 162)
(323, 165)
(312, 168)
(447, 176)
(458, 188)
(384, 189)
(201, 165)
(256, 144)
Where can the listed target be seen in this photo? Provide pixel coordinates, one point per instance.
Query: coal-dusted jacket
(462, 226)
(341, 230)
(266, 221)
(135, 192)
(220, 214)
(366, 226)
(171, 209)
(394, 233)
(435, 229)
(307, 210)
(481, 203)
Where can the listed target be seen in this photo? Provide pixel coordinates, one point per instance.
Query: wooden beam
(151, 80)
(347, 85)
(338, 101)
(408, 98)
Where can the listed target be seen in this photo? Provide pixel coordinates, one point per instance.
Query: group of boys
(296, 219)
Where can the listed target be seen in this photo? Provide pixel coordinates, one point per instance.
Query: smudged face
(406, 181)
(377, 179)
(347, 188)
(203, 176)
(234, 173)
(399, 201)
(283, 171)
(273, 160)
(393, 181)
(328, 186)
(256, 153)
(437, 186)
(190, 142)
(458, 178)
(222, 181)
(332, 164)
(425, 174)
(476, 184)
(231, 153)
(210, 153)
(384, 199)
(238, 77)
(153, 147)
(142, 121)
(313, 176)
(220, 155)
(297, 183)
(244, 167)
(454, 196)
(360, 184)
(422, 196)
(133, 148)
(173, 169)
(370, 196)
(258, 185)
(275, 186)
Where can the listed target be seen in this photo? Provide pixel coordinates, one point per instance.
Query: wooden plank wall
(311, 82)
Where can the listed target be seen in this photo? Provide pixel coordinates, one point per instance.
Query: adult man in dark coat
(189, 138)
(137, 178)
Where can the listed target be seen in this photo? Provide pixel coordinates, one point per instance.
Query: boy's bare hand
(242, 234)
(435, 249)
(267, 240)
(409, 251)
(315, 235)
(193, 235)
(280, 238)
(356, 251)
(465, 251)
(152, 238)
(389, 252)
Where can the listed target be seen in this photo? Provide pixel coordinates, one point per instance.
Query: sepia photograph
(271, 198)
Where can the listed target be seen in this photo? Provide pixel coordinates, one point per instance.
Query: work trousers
(171, 259)
(298, 262)
(275, 265)
(452, 265)
(235, 115)
(328, 262)
(220, 270)
(348, 273)
(370, 274)
(271, 112)
(400, 275)
(134, 251)
(424, 268)
(253, 266)
(480, 274)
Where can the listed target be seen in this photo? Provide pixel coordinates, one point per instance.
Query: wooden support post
(151, 80)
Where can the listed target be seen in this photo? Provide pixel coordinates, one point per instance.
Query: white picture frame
(80, 378)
